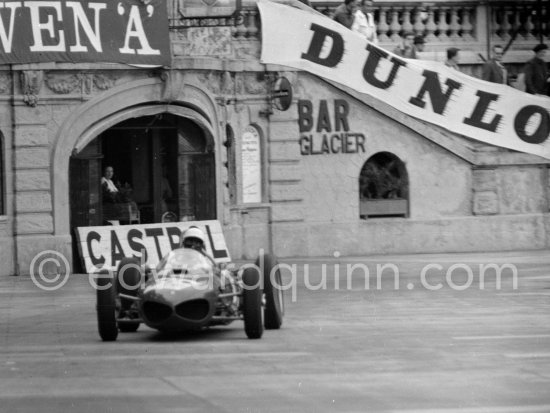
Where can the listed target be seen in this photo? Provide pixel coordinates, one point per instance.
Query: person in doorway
(111, 192)
(345, 13)
(363, 22)
(452, 58)
(493, 70)
(536, 75)
(406, 49)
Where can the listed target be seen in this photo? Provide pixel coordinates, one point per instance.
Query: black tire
(106, 308)
(274, 300)
(252, 303)
(128, 280)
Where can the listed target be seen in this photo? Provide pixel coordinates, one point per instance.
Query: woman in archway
(111, 192)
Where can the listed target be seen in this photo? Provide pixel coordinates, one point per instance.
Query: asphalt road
(417, 348)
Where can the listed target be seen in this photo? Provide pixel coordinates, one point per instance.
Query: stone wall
(7, 245)
(455, 204)
(459, 199)
(401, 235)
(513, 189)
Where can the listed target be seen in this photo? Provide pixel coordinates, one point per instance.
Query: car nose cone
(178, 303)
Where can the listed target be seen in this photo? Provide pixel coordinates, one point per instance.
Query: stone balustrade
(462, 23)
(440, 22)
(469, 25)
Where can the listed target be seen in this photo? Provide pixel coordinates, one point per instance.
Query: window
(231, 166)
(383, 187)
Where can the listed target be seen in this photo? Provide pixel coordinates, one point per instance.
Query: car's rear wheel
(106, 308)
(252, 303)
(128, 280)
(274, 302)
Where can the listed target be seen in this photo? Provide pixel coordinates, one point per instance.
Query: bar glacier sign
(123, 31)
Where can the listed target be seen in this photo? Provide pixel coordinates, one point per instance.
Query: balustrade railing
(437, 22)
(525, 21)
(469, 25)
(460, 22)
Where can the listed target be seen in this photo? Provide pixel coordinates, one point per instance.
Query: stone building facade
(60, 121)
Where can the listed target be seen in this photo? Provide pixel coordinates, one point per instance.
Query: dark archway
(163, 166)
(383, 187)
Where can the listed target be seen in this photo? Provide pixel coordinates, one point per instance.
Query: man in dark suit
(345, 13)
(536, 74)
(493, 70)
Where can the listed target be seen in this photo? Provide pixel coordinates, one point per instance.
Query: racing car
(188, 290)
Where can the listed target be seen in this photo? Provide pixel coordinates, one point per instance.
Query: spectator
(493, 70)
(114, 192)
(345, 13)
(452, 58)
(406, 49)
(419, 43)
(536, 72)
(111, 191)
(364, 22)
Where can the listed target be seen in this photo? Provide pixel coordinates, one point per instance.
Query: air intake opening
(156, 312)
(193, 310)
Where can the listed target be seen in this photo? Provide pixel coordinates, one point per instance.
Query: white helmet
(193, 233)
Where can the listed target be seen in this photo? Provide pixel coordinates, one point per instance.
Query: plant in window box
(382, 181)
(384, 187)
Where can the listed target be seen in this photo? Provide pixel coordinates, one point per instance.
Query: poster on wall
(123, 31)
(251, 166)
(492, 113)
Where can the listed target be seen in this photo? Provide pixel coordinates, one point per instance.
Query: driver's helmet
(194, 238)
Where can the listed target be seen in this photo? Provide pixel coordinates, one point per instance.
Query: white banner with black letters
(102, 248)
(489, 112)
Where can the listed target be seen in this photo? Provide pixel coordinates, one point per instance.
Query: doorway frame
(148, 98)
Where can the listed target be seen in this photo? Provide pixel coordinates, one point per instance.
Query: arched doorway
(383, 187)
(175, 94)
(164, 168)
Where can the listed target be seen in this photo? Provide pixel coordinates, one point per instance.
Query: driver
(193, 238)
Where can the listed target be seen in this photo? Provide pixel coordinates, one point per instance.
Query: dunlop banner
(492, 113)
(122, 31)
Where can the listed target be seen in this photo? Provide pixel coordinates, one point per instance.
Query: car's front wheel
(252, 303)
(106, 308)
(274, 303)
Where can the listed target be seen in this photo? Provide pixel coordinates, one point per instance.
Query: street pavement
(468, 346)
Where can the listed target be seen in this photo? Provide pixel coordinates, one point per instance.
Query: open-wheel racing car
(188, 291)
